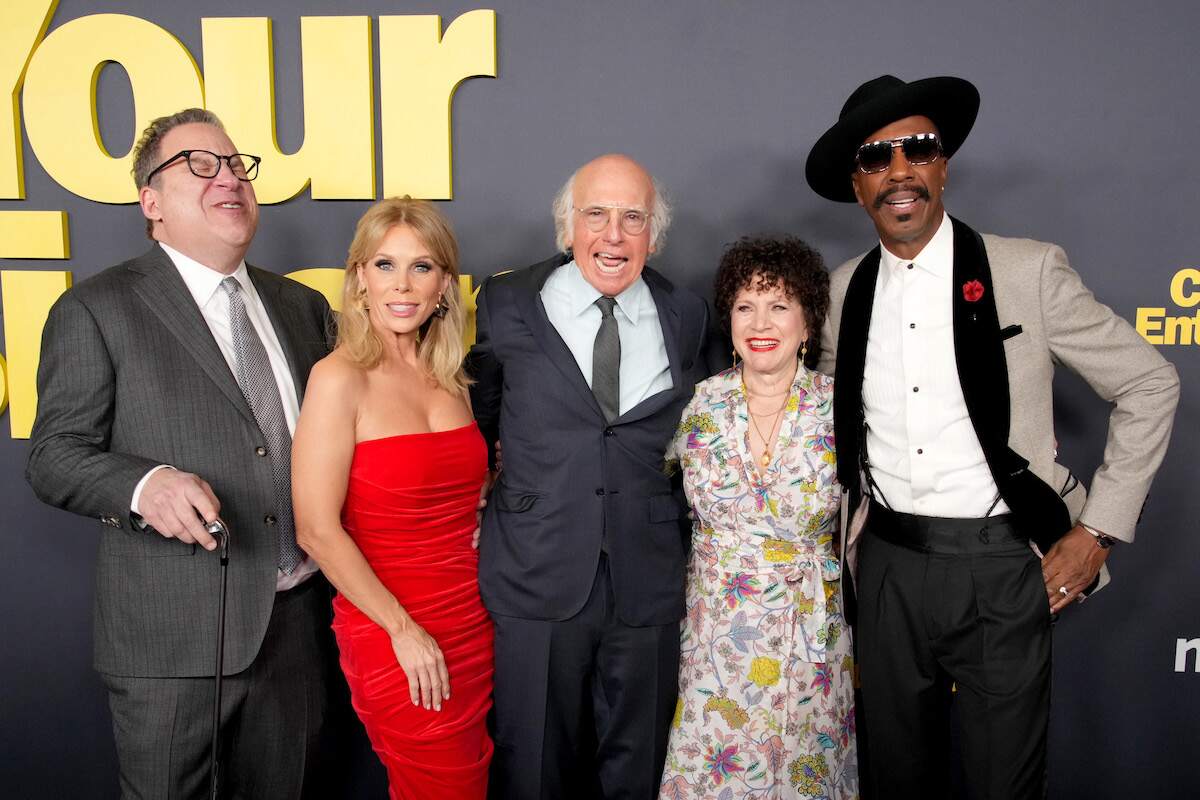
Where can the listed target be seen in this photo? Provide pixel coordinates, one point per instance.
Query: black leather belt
(949, 535)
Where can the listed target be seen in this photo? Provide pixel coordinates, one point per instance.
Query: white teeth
(606, 269)
(230, 205)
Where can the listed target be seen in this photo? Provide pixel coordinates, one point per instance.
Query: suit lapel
(848, 374)
(544, 332)
(268, 292)
(983, 375)
(168, 298)
(668, 320)
(978, 347)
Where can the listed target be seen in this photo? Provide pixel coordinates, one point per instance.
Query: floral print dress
(766, 700)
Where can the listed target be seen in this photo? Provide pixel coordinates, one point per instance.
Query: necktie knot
(606, 304)
(231, 285)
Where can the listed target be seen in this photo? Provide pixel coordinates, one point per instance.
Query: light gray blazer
(131, 377)
(1049, 317)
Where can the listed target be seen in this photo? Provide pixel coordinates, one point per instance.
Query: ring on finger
(1063, 591)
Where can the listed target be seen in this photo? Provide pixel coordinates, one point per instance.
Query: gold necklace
(765, 458)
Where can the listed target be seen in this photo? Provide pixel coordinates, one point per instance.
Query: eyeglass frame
(898, 142)
(186, 155)
(647, 215)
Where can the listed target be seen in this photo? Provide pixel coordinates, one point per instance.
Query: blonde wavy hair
(440, 347)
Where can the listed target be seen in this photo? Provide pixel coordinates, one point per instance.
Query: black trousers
(582, 706)
(281, 721)
(952, 603)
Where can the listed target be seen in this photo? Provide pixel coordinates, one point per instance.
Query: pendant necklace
(765, 458)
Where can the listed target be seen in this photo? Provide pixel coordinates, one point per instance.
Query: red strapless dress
(410, 508)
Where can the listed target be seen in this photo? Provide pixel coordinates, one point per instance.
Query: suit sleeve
(1122, 368)
(716, 349)
(70, 465)
(487, 375)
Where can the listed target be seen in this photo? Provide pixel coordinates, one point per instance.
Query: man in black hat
(945, 342)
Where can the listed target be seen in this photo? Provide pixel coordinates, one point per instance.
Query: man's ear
(148, 200)
(857, 192)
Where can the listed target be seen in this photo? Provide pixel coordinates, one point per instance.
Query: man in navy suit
(583, 365)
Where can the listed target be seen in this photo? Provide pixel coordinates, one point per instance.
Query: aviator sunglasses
(918, 148)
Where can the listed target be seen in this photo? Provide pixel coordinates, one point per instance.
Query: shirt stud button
(260, 451)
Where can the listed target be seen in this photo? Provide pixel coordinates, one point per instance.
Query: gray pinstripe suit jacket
(131, 377)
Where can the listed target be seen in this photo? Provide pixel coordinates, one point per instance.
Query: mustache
(881, 198)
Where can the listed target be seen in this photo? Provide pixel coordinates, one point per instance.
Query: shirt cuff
(137, 490)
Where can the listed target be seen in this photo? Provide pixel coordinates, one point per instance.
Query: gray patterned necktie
(257, 383)
(606, 361)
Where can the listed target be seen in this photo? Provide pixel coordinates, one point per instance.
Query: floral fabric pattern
(766, 699)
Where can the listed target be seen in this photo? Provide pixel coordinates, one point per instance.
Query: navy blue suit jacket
(570, 478)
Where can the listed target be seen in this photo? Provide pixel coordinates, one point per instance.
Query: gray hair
(564, 205)
(146, 155)
(145, 152)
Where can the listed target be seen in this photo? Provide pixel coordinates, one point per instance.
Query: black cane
(221, 534)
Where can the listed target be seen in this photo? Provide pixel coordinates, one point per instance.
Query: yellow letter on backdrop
(419, 70)
(338, 154)
(34, 234)
(28, 295)
(1183, 295)
(22, 25)
(60, 98)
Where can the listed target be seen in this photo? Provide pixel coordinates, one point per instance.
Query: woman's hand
(424, 665)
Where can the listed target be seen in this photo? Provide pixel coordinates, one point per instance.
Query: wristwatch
(1103, 540)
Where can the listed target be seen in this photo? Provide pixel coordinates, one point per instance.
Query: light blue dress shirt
(570, 303)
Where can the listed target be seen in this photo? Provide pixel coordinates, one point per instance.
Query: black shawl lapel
(534, 313)
(983, 375)
(848, 374)
(168, 298)
(978, 347)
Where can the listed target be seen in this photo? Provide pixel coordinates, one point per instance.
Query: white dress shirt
(922, 449)
(204, 284)
(570, 303)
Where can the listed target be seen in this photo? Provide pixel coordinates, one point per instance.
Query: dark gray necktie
(257, 382)
(606, 361)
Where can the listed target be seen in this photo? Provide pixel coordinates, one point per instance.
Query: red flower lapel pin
(972, 291)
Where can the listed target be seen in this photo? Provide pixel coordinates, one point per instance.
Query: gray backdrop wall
(1086, 137)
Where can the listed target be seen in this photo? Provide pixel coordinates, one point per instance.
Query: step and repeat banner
(1085, 137)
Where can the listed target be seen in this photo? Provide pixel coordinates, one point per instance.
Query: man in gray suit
(945, 343)
(168, 389)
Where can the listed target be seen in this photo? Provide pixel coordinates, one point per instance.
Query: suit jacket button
(599, 492)
(609, 432)
(269, 519)
(260, 451)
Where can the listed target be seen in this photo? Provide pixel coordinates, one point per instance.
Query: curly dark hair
(765, 262)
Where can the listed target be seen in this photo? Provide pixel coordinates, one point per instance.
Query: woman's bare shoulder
(337, 372)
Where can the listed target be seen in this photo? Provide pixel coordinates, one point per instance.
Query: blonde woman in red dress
(387, 468)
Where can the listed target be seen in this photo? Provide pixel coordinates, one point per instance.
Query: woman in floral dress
(766, 701)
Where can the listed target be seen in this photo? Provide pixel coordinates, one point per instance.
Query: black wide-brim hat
(952, 104)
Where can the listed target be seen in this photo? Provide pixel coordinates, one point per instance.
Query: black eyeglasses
(204, 164)
(919, 148)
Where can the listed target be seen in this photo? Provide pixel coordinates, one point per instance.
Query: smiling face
(767, 327)
(211, 220)
(904, 200)
(403, 283)
(610, 259)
